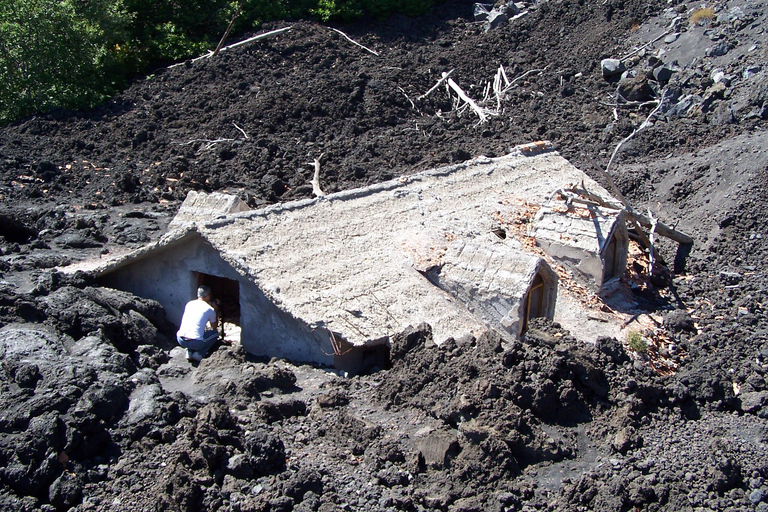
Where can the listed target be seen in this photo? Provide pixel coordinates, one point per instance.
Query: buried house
(329, 280)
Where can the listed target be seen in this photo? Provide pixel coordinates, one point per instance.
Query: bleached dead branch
(646, 45)
(209, 143)
(494, 90)
(241, 130)
(651, 239)
(638, 219)
(524, 75)
(259, 37)
(482, 113)
(408, 98)
(353, 41)
(438, 84)
(316, 178)
(636, 131)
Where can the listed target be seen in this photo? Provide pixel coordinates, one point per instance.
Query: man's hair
(203, 292)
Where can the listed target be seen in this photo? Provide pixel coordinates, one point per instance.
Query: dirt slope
(101, 412)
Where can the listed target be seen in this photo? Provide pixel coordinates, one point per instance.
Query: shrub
(636, 342)
(702, 16)
(50, 55)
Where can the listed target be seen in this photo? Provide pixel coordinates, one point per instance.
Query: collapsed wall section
(502, 286)
(591, 241)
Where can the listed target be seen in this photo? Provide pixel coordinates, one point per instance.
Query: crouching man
(192, 334)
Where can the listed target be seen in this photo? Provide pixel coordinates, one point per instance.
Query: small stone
(625, 440)
(635, 89)
(496, 19)
(480, 12)
(718, 76)
(723, 115)
(726, 221)
(679, 321)
(629, 74)
(239, 466)
(715, 91)
(730, 278)
(684, 106)
(65, 491)
(717, 50)
(752, 401)
(611, 67)
(663, 73)
(671, 38)
(757, 496)
(750, 71)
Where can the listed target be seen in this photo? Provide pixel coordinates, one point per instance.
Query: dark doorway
(610, 260)
(227, 291)
(534, 301)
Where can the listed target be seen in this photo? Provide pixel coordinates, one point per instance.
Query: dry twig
(208, 142)
(259, 37)
(646, 45)
(354, 42)
(482, 113)
(438, 84)
(229, 28)
(241, 130)
(408, 98)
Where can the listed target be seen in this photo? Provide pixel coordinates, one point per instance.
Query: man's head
(204, 292)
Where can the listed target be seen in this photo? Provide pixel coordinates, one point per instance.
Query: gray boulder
(496, 19)
(481, 11)
(751, 402)
(611, 67)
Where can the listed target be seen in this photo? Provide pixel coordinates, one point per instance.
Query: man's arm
(215, 322)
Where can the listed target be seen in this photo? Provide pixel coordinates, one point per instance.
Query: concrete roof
(588, 229)
(357, 261)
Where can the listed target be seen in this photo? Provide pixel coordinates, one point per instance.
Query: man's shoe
(194, 356)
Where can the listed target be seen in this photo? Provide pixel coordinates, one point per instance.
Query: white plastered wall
(168, 275)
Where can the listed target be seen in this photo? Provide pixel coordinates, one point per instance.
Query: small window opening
(227, 291)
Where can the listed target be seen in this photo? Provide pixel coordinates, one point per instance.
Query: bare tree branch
(354, 42)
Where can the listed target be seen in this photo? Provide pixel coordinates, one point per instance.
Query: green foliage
(50, 55)
(345, 10)
(349, 10)
(76, 53)
(636, 342)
